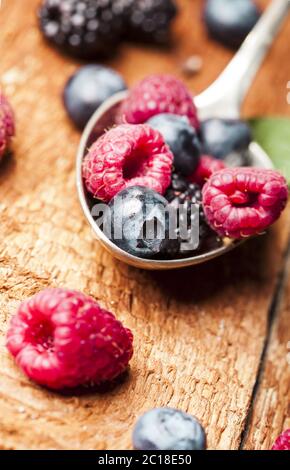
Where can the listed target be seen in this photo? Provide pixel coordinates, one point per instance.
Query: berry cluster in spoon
(170, 183)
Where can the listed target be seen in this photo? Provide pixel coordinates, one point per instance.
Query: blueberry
(226, 139)
(87, 89)
(137, 221)
(168, 429)
(230, 21)
(182, 139)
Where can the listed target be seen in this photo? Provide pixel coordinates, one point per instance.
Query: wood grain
(271, 411)
(199, 333)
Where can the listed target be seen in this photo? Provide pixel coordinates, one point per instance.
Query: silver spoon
(222, 99)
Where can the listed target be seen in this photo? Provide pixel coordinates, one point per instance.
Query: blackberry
(182, 192)
(179, 186)
(150, 20)
(83, 28)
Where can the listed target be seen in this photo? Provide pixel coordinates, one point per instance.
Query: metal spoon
(222, 99)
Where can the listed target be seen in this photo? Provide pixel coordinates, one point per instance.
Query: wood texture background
(211, 340)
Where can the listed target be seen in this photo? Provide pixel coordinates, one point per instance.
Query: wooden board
(202, 335)
(270, 409)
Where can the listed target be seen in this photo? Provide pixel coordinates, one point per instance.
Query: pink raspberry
(207, 166)
(63, 338)
(7, 128)
(283, 441)
(127, 155)
(158, 94)
(240, 202)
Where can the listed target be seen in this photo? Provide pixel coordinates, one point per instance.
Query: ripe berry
(240, 202)
(158, 94)
(137, 222)
(206, 167)
(62, 339)
(230, 21)
(181, 138)
(150, 20)
(283, 441)
(87, 89)
(224, 138)
(168, 429)
(83, 28)
(126, 156)
(183, 194)
(7, 128)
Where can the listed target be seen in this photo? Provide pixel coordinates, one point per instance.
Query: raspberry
(87, 28)
(158, 94)
(150, 20)
(63, 338)
(283, 441)
(207, 166)
(126, 156)
(7, 128)
(240, 202)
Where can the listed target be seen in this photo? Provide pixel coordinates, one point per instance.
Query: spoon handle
(224, 97)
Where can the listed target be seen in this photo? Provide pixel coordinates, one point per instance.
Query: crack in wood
(272, 315)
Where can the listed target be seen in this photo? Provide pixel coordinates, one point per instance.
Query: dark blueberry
(230, 21)
(226, 139)
(87, 89)
(137, 221)
(86, 29)
(168, 429)
(150, 21)
(182, 139)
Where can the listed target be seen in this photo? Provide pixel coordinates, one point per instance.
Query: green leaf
(273, 134)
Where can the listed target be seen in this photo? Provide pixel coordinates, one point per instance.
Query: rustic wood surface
(211, 340)
(271, 406)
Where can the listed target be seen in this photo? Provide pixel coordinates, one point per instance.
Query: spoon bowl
(103, 119)
(223, 99)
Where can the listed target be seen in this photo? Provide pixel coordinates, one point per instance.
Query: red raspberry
(283, 441)
(62, 338)
(207, 166)
(126, 156)
(240, 202)
(7, 129)
(158, 94)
